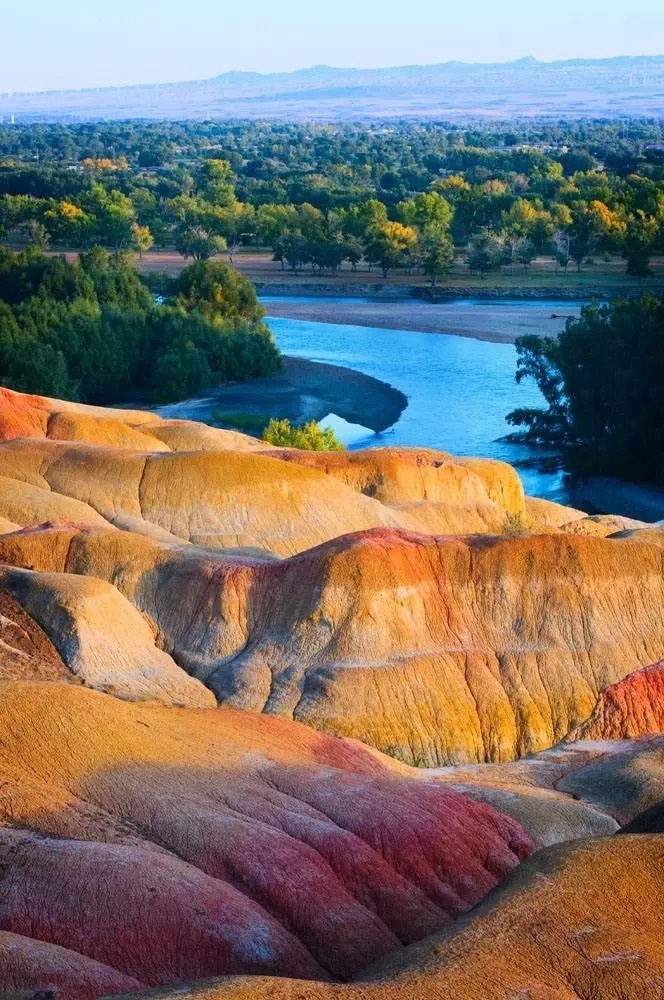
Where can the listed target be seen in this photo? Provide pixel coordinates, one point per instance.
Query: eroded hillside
(197, 631)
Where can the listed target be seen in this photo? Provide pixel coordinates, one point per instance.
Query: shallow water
(459, 390)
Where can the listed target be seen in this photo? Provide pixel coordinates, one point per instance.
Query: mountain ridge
(525, 87)
(239, 75)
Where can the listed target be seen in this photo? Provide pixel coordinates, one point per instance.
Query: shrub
(513, 525)
(309, 437)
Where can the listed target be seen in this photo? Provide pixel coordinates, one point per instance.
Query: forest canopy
(401, 195)
(92, 331)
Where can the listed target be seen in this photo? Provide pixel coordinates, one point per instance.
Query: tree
(180, 371)
(603, 382)
(353, 251)
(198, 243)
(15, 212)
(217, 290)
(638, 244)
(91, 330)
(525, 253)
(576, 160)
(292, 249)
(38, 236)
(67, 223)
(185, 211)
(427, 210)
(389, 245)
(583, 232)
(141, 238)
(485, 254)
(524, 226)
(436, 252)
(217, 182)
(112, 214)
(363, 219)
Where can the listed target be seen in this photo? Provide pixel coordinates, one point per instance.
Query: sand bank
(499, 322)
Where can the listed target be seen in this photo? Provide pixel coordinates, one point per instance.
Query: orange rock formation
(575, 922)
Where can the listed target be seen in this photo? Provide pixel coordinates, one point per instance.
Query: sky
(53, 44)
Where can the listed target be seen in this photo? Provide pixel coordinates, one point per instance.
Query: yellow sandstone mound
(103, 640)
(291, 583)
(433, 491)
(438, 650)
(412, 488)
(247, 615)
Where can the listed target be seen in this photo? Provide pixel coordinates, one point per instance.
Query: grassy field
(600, 277)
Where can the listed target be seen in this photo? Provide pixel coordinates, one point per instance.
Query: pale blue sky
(83, 43)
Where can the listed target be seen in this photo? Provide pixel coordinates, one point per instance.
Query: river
(459, 389)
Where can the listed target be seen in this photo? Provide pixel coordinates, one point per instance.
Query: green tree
(430, 209)
(38, 236)
(196, 242)
(436, 252)
(218, 291)
(603, 383)
(485, 254)
(638, 244)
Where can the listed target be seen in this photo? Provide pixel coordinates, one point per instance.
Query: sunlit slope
(297, 584)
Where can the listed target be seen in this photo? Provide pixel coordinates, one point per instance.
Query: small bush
(513, 525)
(309, 437)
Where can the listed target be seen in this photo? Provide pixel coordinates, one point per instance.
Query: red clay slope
(172, 845)
(633, 707)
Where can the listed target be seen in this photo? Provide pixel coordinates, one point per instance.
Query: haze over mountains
(617, 87)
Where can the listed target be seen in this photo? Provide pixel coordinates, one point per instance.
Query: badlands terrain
(319, 725)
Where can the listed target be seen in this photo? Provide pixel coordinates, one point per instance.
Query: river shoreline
(493, 320)
(301, 391)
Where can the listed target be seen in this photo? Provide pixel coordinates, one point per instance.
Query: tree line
(93, 331)
(413, 196)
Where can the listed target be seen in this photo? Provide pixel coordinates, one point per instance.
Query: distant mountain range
(452, 91)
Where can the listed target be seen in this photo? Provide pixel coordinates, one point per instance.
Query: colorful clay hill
(289, 724)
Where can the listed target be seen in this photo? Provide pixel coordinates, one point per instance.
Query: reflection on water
(352, 435)
(459, 390)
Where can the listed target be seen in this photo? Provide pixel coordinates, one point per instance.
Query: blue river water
(459, 390)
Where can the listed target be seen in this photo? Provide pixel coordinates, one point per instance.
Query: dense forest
(603, 381)
(414, 196)
(91, 330)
